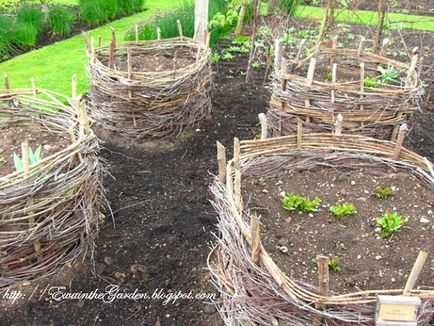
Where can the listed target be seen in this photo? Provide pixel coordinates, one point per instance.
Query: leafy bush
(5, 36)
(383, 192)
(128, 7)
(344, 209)
(29, 23)
(110, 8)
(60, 20)
(292, 202)
(389, 223)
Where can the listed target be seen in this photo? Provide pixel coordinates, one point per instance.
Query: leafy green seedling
(34, 157)
(256, 64)
(371, 82)
(228, 56)
(292, 202)
(215, 58)
(388, 76)
(328, 76)
(383, 192)
(344, 209)
(389, 223)
(261, 181)
(334, 264)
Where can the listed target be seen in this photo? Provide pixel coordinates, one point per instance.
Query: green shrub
(60, 20)
(383, 192)
(128, 7)
(29, 14)
(26, 34)
(5, 36)
(92, 11)
(110, 8)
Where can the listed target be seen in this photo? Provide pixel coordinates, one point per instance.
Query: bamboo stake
(136, 31)
(236, 151)
(130, 69)
(181, 33)
(384, 46)
(400, 139)
(33, 82)
(74, 87)
(158, 33)
(323, 275)
(221, 159)
(256, 240)
(417, 268)
(338, 124)
(175, 58)
(278, 45)
(334, 73)
(237, 190)
(26, 171)
(299, 132)
(6, 81)
(334, 47)
(361, 44)
(264, 125)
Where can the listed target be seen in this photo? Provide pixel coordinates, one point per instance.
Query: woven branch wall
(150, 88)
(49, 214)
(255, 291)
(332, 81)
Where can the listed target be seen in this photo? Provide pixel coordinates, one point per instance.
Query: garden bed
(50, 185)
(162, 90)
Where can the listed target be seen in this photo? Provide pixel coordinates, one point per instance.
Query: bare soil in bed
(12, 137)
(366, 260)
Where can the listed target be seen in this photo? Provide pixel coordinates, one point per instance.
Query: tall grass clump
(129, 7)
(92, 11)
(60, 20)
(185, 13)
(29, 23)
(5, 36)
(288, 7)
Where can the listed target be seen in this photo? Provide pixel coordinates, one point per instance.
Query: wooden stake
(278, 45)
(264, 125)
(84, 119)
(411, 75)
(201, 22)
(362, 78)
(136, 31)
(334, 73)
(400, 139)
(338, 124)
(236, 151)
(99, 41)
(334, 47)
(221, 160)
(256, 240)
(323, 275)
(129, 62)
(237, 185)
(417, 268)
(111, 55)
(361, 44)
(299, 132)
(311, 71)
(284, 71)
(73, 139)
(181, 33)
(158, 33)
(74, 87)
(33, 82)
(113, 39)
(175, 58)
(6, 81)
(384, 46)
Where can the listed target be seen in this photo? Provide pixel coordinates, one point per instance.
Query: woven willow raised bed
(254, 290)
(153, 101)
(49, 211)
(302, 94)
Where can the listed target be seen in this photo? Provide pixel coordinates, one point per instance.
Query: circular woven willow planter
(49, 211)
(254, 290)
(156, 101)
(300, 96)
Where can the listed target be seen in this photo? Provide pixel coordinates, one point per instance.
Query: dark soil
(367, 261)
(163, 227)
(11, 139)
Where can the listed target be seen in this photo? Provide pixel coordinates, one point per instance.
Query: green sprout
(389, 223)
(34, 157)
(383, 192)
(261, 181)
(328, 76)
(333, 264)
(215, 58)
(371, 82)
(292, 202)
(388, 76)
(256, 64)
(228, 56)
(344, 209)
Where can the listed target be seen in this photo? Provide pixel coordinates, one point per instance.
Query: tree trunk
(241, 16)
(380, 24)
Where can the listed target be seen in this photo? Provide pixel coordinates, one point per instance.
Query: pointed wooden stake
(256, 240)
(400, 139)
(221, 160)
(338, 124)
(415, 272)
(264, 125)
(181, 33)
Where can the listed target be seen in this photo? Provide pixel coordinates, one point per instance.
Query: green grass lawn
(365, 17)
(52, 66)
(67, 2)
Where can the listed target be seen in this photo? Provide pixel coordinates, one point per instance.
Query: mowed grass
(66, 2)
(52, 66)
(365, 17)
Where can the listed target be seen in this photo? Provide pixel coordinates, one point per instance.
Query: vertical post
(130, 70)
(417, 268)
(201, 22)
(33, 82)
(136, 31)
(74, 87)
(112, 49)
(221, 159)
(338, 124)
(323, 275)
(299, 132)
(84, 119)
(264, 125)
(278, 45)
(181, 33)
(256, 241)
(311, 71)
(384, 46)
(99, 41)
(158, 33)
(362, 87)
(379, 31)
(400, 139)
(237, 185)
(411, 78)
(334, 47)
(361, 44)
(236, 151)
(175, 58)
(6, 81)
(334, 73)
